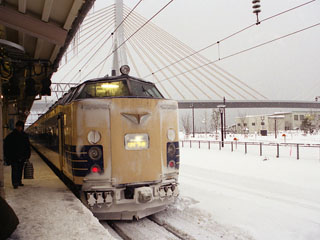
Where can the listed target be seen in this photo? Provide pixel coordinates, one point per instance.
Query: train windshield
(104, 89)
(141, 89)
(118, 89)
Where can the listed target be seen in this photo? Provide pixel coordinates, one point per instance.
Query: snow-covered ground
(48, 210)
(269, 198)
(224, 195)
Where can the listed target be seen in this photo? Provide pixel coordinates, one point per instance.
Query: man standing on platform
(16, 151)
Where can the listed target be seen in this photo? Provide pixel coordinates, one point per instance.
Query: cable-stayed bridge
(117, 35)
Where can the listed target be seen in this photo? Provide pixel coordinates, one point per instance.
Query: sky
(287, 69)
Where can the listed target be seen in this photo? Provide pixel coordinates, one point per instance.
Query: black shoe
(15, 187)
(21, 184)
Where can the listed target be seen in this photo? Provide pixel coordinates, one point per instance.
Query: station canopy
(34, 34)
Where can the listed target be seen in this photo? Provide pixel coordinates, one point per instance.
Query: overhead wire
(166, 45)
(231, 35)
(157, 13)
(202, 59)
(245, 50)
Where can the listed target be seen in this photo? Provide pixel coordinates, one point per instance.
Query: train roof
(68, 97)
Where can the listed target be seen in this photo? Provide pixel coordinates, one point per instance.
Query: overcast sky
(286, 69)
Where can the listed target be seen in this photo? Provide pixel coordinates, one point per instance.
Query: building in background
(303, 120)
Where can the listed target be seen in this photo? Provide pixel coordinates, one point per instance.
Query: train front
(133, 131)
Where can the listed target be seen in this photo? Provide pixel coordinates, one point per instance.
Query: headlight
(171, 150)
(171, 134)
(94, 137)
(95, 153)
(136, 141)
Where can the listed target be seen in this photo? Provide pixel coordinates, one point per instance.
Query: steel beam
(248, 104)
(72, 14)
(22, 6)
(32, 26)
(46, 10)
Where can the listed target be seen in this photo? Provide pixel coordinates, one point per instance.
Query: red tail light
(172, 164)
(95, 169)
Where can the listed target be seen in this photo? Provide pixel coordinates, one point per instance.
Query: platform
(48, 210)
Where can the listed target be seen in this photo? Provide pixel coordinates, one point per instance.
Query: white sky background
(287, 69)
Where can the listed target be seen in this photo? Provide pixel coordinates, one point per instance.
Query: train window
(104, 89)
(141, 89)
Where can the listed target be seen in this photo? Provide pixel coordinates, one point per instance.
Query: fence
(260, 146)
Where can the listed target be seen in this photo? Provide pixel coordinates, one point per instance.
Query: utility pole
(193, 120)
(224, 118)
(275, 128)
(222, 138)
(221, 110)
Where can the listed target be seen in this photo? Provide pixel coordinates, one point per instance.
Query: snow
(277, 198)
(48, 210)
(223, 195)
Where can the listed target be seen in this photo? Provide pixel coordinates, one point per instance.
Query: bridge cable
(151, 50)
(91, 49)
(106, 41)
(232, 35)
(85, 26)
(157, 31)
(130, 36)
(94, 32)
(246, 50)
(146, 63)
(154, 46)
(99, 47)
(106, 25)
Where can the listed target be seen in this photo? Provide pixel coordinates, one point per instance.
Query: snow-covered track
(141, 229)
(192, 224)
(179, 221)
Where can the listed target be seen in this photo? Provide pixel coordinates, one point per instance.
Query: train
(116, 139)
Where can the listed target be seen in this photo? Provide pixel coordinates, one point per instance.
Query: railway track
(176, 223)
(142, 229)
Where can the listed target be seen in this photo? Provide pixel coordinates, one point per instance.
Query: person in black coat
(17, 151)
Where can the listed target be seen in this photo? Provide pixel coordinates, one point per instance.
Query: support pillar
(1, 148)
